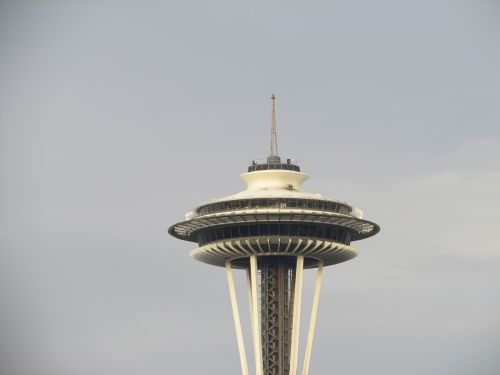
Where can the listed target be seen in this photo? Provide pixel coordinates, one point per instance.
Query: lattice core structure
(274, 230)
(277, 275)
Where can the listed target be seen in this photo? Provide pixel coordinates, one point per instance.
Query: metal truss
(276, 282)
(274, 294)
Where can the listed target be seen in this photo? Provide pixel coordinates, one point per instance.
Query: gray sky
(116, 118)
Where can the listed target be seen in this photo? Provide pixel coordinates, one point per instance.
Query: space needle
(274, 230)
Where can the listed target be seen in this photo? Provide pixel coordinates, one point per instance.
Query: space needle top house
(274, 230)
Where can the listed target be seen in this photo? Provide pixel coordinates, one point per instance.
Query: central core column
(276, 281)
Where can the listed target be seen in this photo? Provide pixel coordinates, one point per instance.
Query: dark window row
(274, 203)
(262, 167)
(275, 229)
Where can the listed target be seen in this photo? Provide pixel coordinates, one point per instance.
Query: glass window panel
(320, 232)
(284, 229)
(235, 232)
(274, 229)
(244, 231)
(253, 230)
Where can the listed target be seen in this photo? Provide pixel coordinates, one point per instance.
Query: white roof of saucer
(273, 183)
(276, 183)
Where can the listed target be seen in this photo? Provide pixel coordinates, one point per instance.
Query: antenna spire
(274, 138)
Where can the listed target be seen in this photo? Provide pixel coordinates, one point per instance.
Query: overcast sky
(118, 117)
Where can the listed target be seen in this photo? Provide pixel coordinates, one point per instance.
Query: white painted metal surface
(237, 322)
(297, 298)
(257, 340)
(250, 300)
(274, 184)
(312, 323)
(217, 253)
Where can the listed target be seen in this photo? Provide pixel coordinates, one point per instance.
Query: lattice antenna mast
(274, 138)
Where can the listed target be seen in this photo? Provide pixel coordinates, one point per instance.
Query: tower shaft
(276, 299)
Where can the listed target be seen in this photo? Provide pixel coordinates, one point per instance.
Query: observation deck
(274, 217)
(273, 162)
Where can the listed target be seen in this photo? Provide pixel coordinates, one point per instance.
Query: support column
(312, 323)
(257, 340)
(237, 322)
(250, 300)
(296, 314)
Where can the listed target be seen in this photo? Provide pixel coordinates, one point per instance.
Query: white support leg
(236, 316)
(257, 340)
(250, 300)
(297, 298)
(312, 323)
